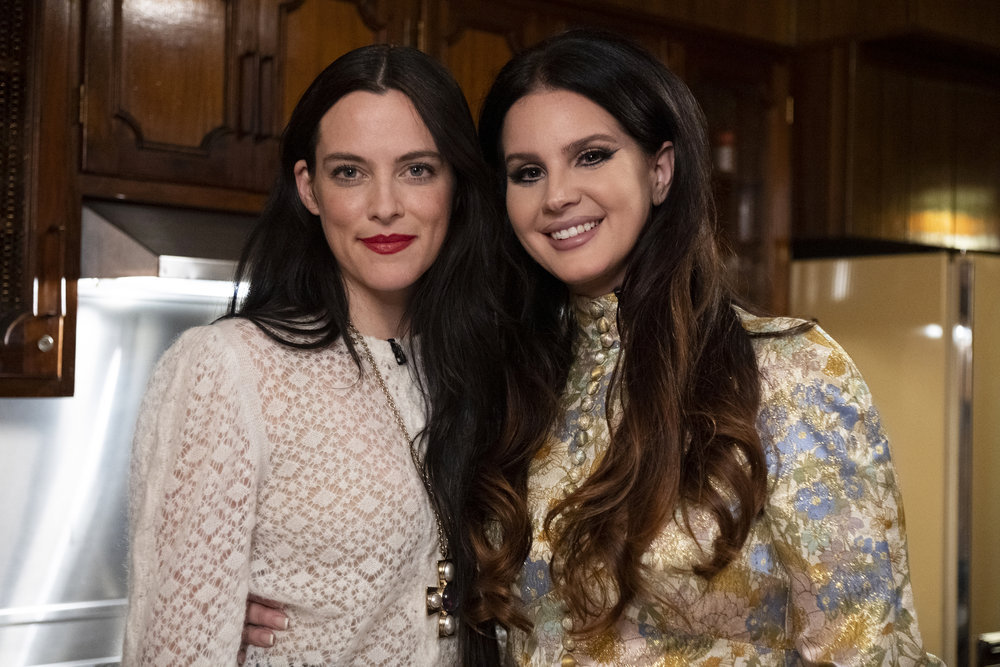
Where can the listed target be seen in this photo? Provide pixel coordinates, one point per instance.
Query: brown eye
(346, 171)
(528, 174)
(594, 156)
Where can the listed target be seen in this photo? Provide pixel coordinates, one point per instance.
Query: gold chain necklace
(440, 599)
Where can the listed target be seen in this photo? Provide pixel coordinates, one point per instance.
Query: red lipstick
(388, 244)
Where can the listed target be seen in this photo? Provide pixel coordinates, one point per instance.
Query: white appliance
(924, 328)
(63, 481)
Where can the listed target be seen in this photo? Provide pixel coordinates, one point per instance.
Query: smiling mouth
(576, 230)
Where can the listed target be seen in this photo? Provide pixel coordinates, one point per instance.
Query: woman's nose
(385, 204)
(560, 191)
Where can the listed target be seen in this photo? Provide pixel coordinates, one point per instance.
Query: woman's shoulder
(798, 359)
(789, 344)
(217, 339)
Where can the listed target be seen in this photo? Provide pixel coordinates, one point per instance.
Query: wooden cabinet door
(40, 211)
(196, 92)
(167, 94)
(298, 38)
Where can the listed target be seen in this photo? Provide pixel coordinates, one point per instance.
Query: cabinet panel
(305, 37)
(744, 95)
(39, 239)
(161, 43)
(167, 94)
(475, 39)
(897, 149)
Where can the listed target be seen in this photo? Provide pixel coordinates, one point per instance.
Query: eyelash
(348, 172)
(591, 157)
(599, 155)
(340, 172)
(428, 171)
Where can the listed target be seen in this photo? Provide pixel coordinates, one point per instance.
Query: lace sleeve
(192, 507)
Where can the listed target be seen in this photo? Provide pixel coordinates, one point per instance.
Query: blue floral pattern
(824, 574)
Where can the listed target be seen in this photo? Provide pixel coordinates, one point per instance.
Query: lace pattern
(263, 469)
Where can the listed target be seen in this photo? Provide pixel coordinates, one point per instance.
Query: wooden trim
(171, 194)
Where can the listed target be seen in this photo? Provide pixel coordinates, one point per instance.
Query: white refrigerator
(924, 329)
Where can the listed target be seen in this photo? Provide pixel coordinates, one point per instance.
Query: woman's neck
(381, 323)
(378, 314)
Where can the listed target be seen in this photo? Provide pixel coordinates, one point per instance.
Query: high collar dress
(823, 577)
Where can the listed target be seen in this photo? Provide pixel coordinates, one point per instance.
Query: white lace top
(262, 469)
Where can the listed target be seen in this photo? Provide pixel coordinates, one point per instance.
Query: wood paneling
(301, 38)
(900, 150)
(973, 22)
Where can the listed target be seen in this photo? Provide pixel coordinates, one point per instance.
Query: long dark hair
(296, 294)
(686, 436)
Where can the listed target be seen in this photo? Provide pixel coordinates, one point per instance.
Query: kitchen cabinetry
(39, 230)
(192, 96)
(746, 98)
(893, 144)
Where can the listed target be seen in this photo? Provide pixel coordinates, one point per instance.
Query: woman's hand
(263, 617)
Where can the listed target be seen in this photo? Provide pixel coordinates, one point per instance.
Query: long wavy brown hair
(685, 437)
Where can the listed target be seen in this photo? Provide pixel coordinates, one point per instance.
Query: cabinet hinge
(82, 108)
(789, 109)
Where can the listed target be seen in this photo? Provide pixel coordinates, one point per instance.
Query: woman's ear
(663, 172)
(303, 181)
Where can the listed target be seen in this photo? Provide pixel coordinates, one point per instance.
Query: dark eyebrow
(569, 150)
(342, 157)
(412, 155)
(420, 155)
(575, 147)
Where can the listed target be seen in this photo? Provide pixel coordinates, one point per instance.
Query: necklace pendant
(441, 599)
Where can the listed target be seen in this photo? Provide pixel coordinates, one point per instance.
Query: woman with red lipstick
(314, 446)
(686, 483)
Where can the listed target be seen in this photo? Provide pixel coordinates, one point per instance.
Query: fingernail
(286, 623)
(270, 639)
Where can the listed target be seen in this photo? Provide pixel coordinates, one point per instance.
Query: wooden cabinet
(745, 95)
(970, 22)
(893, 145)
(184, 102)
(39, 216)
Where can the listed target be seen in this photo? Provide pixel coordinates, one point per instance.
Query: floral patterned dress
(823, 577)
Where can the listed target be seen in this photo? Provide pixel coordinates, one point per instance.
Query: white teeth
(570, 232)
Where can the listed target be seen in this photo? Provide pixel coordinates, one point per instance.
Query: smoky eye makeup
(524, 174)
(595, 155)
